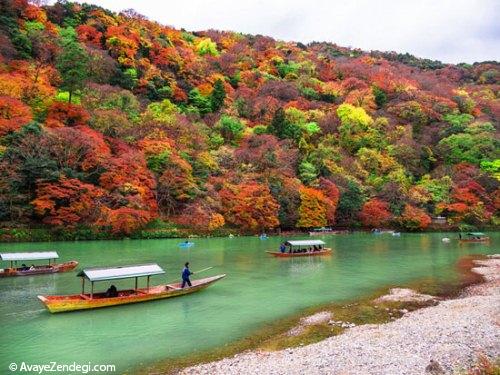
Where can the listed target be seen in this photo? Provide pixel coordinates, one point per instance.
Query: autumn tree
(68, 202)
(250, 206)
(13, 115)
(375, 213)
(414, 218)
(313, 208)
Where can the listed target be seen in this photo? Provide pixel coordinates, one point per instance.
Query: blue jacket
(186, 273)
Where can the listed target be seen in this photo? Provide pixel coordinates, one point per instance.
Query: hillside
(114, 125)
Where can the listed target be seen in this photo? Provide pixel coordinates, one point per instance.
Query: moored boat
(473, 237)
(302, 248)
(24, 270)
(84, 301)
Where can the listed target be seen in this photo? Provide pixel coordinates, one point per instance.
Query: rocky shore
(445, 338)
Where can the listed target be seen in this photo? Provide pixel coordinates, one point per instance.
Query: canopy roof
(125, 272)
(305, 243)
(29, 256)
(475, 234)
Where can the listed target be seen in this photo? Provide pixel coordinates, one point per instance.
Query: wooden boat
(84, 301)
(14, 270)
(302, 248)
(325, 251)
(474, 237)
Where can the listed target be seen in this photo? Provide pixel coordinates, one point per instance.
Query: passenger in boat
(32, 267)
(24, 267)
(282, 247)
(112, 291)
(460, 236)
(186, 272)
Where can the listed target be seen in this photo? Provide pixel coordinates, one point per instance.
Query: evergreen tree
(278, 124)
(72, 64)
(218, 96)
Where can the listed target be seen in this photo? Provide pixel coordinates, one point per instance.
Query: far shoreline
(34, 235)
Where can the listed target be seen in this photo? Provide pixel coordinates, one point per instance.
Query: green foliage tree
(475, 145)
(200, 102)
(218, 95)
(207, 47)
(307, 173)
(72, 63)
(380, 96)
(231, 129)
(350, 203)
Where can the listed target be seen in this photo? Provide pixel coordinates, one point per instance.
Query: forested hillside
(111, 123)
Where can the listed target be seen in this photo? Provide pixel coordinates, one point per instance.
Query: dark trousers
(185, 281)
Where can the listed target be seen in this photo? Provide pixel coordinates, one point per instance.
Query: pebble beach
(443, 339)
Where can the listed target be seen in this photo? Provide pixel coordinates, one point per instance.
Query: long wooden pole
(203, 270)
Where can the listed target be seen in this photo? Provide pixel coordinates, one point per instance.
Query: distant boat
(472, 237)
(326, 231)
(15, 270)
(445, 239)
(382, 231)
(84, 301)
(302, 248)
(396, 234)
(231, 235)
(263, 236)
(186, 244)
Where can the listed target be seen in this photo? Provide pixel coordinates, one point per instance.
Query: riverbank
(452, 333)
(165, 230)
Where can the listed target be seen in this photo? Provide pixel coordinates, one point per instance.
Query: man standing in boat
(186, 272)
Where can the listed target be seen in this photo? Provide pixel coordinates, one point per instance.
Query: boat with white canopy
(51, 266)
(301, 248)
(113, 297)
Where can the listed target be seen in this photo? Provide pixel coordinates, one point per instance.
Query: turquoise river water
(257, 290)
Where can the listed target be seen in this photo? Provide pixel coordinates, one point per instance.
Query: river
(257, 290)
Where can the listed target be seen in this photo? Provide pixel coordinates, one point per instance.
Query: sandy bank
(452, 333)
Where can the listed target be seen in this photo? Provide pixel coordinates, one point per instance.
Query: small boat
(263, 236)
(302, 248)
(445, 240)
(321, 231)
(473, 237)
(84, 301)
(382, 231)
(327, 231)
(396, 234)
(186, 244)
(24, 270)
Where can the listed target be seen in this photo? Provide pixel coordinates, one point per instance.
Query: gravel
(451, 335)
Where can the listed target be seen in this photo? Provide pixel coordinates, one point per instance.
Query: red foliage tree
(375, 213)
(67, 202)
(66, 114)
(14, 114)
(89, 34)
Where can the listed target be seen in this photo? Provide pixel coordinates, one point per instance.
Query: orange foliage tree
(14, 114)
(67, 201)
(66, 114)
(313, 208)
(375, 213)
(124, 220)
(250, 206)
(414, 218)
